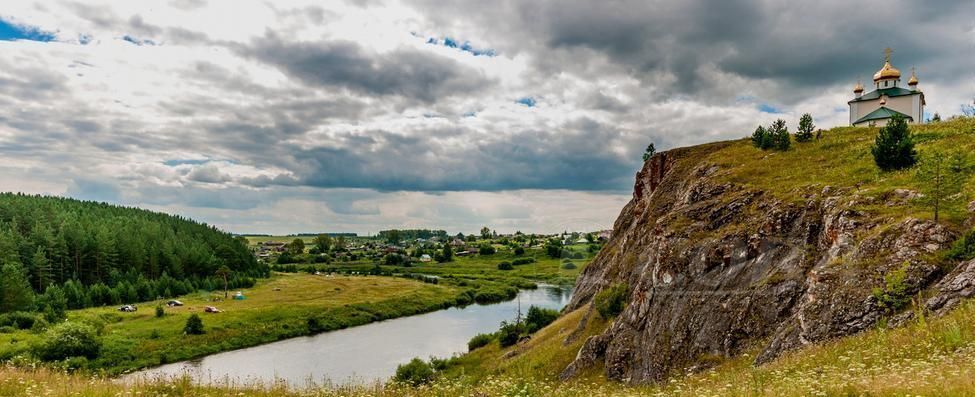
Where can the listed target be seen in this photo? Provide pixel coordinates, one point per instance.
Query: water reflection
(362, 353)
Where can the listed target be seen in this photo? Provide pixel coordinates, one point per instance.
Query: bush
(486, 249)
(416, 372)
(893, 296)
(964, 248)
(522, 261)
(611, 301)
(519, 251)
(505, 266)
(18, 320)
(538, 318)
(479, 340)
(159, 311)
(69, 339)
(893, 148)
(510, 333)
(194, 325)
(569, 266)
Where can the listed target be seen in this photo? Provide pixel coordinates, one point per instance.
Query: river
(359, 354)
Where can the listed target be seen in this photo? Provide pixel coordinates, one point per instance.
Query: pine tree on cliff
(942, 178)
(894, 147)
(806, 127)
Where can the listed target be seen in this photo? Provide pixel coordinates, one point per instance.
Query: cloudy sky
(289, 116)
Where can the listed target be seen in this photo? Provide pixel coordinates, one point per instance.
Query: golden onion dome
(913, 80)
(858, 87)
(887, 72)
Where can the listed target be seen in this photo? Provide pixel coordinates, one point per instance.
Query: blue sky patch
(465, 46)
(527, 101)
(138, 41)
(469, 114)
(766, 108)
(11, 32)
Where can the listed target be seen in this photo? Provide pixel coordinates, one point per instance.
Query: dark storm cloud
(562, 158)
(341, 64)
(795, 45)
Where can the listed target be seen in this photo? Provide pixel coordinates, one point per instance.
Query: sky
(363, 115)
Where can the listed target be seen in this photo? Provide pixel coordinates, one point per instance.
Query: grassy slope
(265, 316)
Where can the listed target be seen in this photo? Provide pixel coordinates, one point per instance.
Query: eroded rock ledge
(715, 267)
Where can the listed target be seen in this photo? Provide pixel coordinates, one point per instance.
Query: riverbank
(282, 307)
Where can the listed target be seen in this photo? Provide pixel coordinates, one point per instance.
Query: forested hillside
(79, 253)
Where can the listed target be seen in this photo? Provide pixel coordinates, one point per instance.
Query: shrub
(69, 339)
(479, 340)
(538, 318)
(505, 266)
(893, 148)
(486, 249)
(611, 301)
(416, 372)
(18, 320)
(569, 266)
(315, 325)
(522, 261)
(519, 251)
(964, 248)
(159, 311)
(893, 296)
(194, 325)
(510, 333)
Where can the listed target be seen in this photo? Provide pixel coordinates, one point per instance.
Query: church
(887, 99)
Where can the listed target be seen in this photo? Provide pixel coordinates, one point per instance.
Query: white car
(127, 308)
(174, 303)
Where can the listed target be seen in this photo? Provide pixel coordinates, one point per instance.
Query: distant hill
(110, 254)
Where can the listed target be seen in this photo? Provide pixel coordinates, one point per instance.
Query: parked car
(174, 303)
(127, 308)
(211, 309)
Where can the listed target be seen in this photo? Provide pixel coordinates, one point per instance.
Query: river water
(359, 354)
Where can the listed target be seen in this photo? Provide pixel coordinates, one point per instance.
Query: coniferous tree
(15, 291)
(758, 137)
(893, 148)
(942, 177)
(42, 269)
(805, 131)
(778, 135)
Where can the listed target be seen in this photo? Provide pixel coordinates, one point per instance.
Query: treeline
(95, 253)
(397, 235)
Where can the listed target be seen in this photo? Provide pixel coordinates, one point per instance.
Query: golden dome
(858, 87)
(887, 72)
(913, 80)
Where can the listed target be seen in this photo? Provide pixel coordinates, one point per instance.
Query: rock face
(715, 267)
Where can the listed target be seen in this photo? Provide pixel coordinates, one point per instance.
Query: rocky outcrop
(715, 267)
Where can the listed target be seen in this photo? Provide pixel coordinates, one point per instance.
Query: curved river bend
(359, 354)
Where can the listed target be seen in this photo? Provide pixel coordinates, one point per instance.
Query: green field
(274, 309)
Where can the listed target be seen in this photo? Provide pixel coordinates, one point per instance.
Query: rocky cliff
(716, 266)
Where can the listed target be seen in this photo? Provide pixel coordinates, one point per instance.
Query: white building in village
(887, 99)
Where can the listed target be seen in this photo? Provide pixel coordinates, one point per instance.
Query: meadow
(284, 306)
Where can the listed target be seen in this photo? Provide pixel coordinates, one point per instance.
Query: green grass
(275, 309)
(840, 159)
